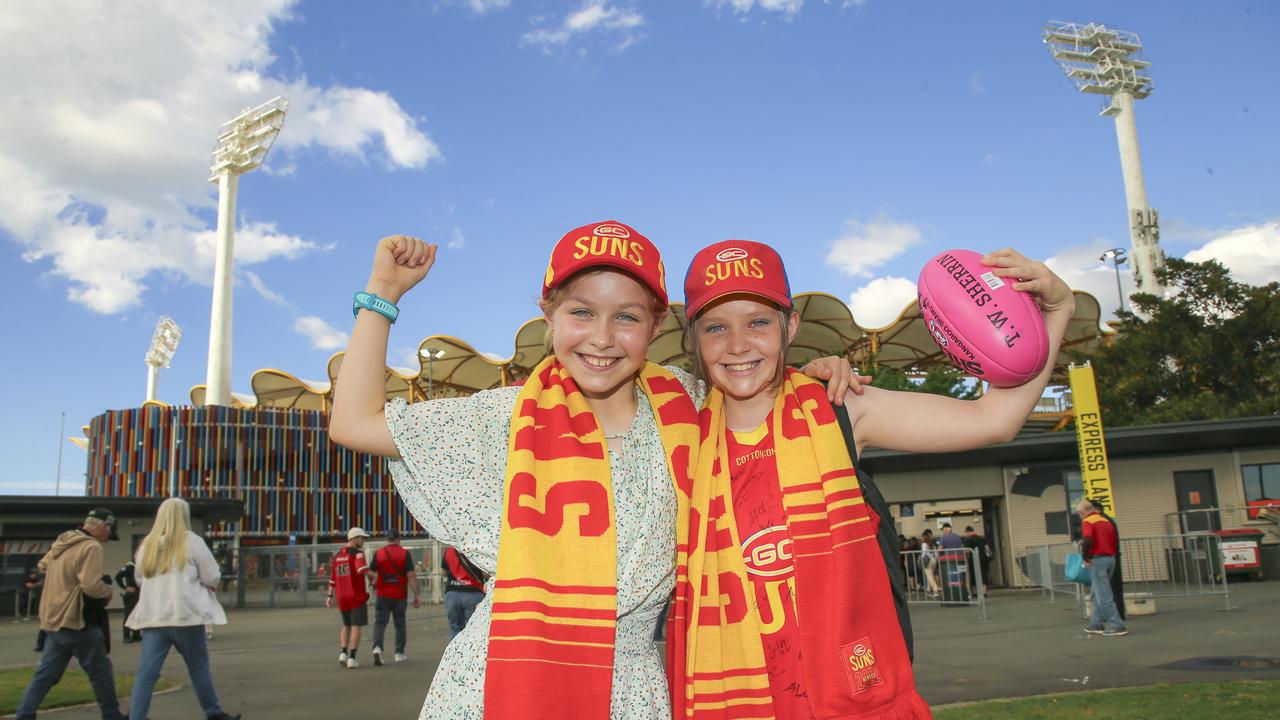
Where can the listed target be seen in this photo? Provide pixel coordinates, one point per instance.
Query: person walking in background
(129, 585)
(347, 581)
(1099, 545)
(976, 545)
(394, 568)
(463, 589)
(73, 573)
(177, 576)
(929, 563)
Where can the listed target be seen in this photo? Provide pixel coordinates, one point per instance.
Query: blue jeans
(458, 607)
(90, 648)
(1105, 613)
(383, 610)
(156, 642)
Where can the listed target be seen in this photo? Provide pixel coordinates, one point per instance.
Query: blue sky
(860, 138)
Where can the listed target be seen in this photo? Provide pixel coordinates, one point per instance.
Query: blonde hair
(691, 346)
(556, 296)
(165, 547)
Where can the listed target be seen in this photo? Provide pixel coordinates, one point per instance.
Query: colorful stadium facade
(292, 479)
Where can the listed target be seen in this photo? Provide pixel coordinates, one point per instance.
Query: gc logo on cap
(735, 266)
(608, 243)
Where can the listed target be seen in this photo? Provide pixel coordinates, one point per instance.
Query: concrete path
(282, 664)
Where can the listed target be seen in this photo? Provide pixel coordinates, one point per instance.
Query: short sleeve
(452, 463)
(692, 385)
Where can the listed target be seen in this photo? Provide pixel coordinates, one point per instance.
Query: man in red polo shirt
(1100, 543)
(347, 580)
(394, 566)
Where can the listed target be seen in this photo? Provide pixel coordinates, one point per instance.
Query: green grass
(74, 689)
(1237, 699)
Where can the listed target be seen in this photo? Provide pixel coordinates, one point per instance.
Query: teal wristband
(369, 301)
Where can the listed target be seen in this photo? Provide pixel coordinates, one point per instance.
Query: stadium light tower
(163, 345)
(242, 146)
(1105, 61)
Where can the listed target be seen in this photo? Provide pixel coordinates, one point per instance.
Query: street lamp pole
(242, 146)
(1117, 258)
(431, 354)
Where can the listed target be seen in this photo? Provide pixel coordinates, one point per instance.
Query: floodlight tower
(1106, 61)
(242, 146)
(163, 345)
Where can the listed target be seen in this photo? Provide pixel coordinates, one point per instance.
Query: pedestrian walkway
(282, 664)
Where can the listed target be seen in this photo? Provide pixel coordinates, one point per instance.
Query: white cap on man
(356, 532)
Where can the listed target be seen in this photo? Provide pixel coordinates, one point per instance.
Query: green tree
(939, 380)
(1209, 350)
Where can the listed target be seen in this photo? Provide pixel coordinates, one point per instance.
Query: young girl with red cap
(783, 605)
(564, 490)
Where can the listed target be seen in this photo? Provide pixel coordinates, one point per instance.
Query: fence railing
(1262, 517)
(298, 575)
(947, 578)
(1187, 565)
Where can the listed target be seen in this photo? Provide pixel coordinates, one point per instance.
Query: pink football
(987, 328)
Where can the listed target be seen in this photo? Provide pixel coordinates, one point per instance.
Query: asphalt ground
(282, 664)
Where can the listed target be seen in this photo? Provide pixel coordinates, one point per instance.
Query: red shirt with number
(766, 549)
(347, 578)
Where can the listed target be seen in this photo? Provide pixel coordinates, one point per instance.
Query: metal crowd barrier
(1188, 565)
(946, 578)
(298, 575)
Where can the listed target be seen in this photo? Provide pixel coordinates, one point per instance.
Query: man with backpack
(394, 567)
(463, 589)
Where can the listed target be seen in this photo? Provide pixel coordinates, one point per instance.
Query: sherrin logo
(731, 254)
(938, 335)
(611, 230)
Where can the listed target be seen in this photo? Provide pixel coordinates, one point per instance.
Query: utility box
(1241, 552)
(1135, 603)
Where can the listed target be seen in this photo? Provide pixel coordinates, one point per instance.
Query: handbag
(1076, 570)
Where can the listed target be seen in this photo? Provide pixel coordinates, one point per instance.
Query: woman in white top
(176, 578)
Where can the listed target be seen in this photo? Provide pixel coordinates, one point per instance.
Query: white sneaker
(400, 657)
(342, 658)
(377, 656)
(353, 663)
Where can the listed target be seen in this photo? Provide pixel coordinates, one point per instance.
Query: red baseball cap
(735, 266)
(608, 243)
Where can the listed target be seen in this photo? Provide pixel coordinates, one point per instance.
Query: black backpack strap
(887, 537)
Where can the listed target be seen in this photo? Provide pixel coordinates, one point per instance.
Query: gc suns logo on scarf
(860, 665)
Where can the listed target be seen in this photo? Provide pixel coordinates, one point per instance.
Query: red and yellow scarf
(555, 600)
(854, 658)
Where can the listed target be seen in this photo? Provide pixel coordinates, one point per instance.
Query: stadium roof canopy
(827, 328)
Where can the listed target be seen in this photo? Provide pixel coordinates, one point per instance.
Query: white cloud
(742, 7)
(593, 15)
(880, 301)
(108, 117)
(866, 245)
(321, 334)
(480, 7)
(456, 239)
(1251, 253)
(267, 293)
